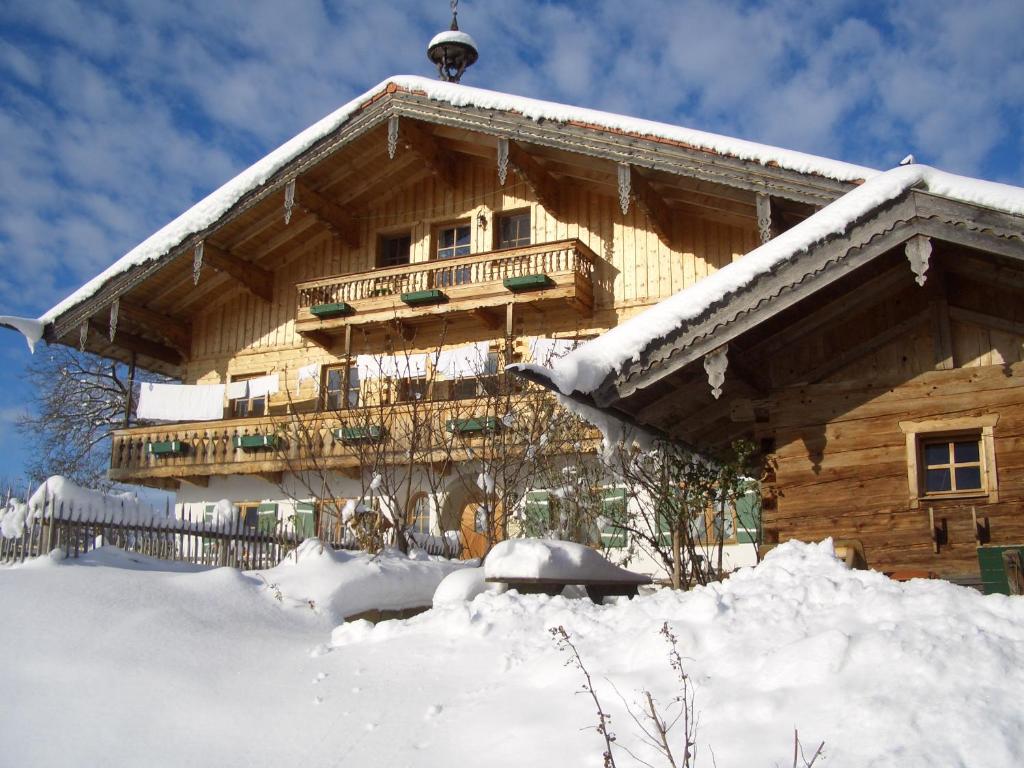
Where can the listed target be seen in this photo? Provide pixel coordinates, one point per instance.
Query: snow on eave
(586, 368)
(31, 329)
(216, 205)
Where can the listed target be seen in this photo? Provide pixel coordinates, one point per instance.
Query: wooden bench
(597, 589)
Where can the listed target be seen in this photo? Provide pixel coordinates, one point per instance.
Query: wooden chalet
(425, 214)
(875, 352)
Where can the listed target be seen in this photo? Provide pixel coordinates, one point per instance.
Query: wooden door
(473, 526)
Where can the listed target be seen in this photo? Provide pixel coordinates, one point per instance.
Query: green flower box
(327, 311)
(527, 283)
(165, 448)
(370, 434)
(469, 426)
(256, 442)
(418, 298)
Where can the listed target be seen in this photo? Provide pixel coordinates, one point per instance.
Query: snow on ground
(116, 661)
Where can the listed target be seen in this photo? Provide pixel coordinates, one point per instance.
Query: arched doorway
(466, 511)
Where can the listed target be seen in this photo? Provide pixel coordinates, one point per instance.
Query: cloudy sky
(117, 116)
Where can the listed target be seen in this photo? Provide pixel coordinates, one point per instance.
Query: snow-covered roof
(584, 369)
(209, 210)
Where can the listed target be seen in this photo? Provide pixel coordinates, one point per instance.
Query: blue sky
(117, 116)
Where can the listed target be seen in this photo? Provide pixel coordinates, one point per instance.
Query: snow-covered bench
(532, 566)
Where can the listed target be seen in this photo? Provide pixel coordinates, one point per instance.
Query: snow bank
(551, 559)
(342, 584)
(206, 212)
(586, 367)
(914, 675)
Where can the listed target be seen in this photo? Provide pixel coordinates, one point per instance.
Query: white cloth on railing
(237, 390)
(544, 351)
(309, 372)
(391, 366)
(181, 402)
(464, 362)
(261, 386)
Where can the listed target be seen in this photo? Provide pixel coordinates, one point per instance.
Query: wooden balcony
(267, 446)
(560, 271)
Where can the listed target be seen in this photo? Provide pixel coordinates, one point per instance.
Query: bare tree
(79, 399)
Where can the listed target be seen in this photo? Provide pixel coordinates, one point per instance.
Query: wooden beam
(177, 332)
(851, 354)
(488, 317)
(331, 214)
(202, 481)
(942, 334)
(274, 478)
(988, 321)
(984, 271)
(874, 291)
(652, 205)
(533, 173)
(256, 280)
(422, 142)
(140, 345)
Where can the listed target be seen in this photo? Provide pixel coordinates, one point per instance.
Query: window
(410, 390)
(339, 392)
(242, 407)
(394, 250)
(419, 514)
(452, 242)
(512, 230)
(486, 383)
(952, 465)
(951, 458)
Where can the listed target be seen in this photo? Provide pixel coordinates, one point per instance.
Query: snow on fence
(73, 530)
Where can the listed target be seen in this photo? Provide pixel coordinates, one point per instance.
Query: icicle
(392, 136)
(83, 336)
(197, 262)
(919, 250)
(624, 187)
(114, 309)
(502, 161)
(289, 200)
(715, 364)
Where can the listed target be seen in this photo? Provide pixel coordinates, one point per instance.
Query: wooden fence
(75, 532)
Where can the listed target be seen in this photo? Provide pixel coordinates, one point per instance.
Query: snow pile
(586, 367)
(552, 559)
(463, 585)
(12, 519)
(340, 584)
(208, 211)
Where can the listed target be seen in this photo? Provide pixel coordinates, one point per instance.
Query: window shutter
(748, 517)
(613, 510)
(208, 513)
(304, 520)
(266, 521)
(537, 511)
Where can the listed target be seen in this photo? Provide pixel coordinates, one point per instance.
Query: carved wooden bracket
(919, 250)
(715, 363)
(764, 217)
(289, 200)
(114, 309)
(502, 161)
(197, 262)
(625, 181)
(392, 136)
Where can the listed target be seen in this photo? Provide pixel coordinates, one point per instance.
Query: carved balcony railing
(562, 271)
(333, 440)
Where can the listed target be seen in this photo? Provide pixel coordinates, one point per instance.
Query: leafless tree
(78, 400)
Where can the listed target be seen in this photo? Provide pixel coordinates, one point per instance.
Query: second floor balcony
(561, 271)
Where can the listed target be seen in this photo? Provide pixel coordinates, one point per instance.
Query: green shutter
(266, 521)
(208, 513)
(748, 517)
(304, 520)
(537, 512)
(613, 510)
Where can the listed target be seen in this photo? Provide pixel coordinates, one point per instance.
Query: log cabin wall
(840, 465)
(238, 333)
